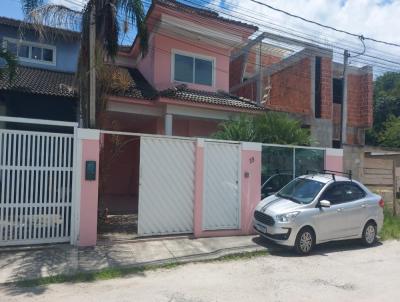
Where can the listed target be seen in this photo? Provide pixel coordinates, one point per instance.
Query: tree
(271, 128)
(390, 135)
(386, 103)
(108, 25)
(8, 64)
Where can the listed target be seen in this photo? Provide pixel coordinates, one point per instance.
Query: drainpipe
(343, 132)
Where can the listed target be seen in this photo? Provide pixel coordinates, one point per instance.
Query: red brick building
(306, 83)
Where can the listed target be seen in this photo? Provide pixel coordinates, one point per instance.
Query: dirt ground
(335, 272)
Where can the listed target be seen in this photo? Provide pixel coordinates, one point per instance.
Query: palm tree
(8, 64)
(108, 25)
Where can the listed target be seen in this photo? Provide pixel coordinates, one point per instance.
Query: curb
(195, 258)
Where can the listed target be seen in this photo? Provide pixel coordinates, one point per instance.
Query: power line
(325, 26)
(374, 62)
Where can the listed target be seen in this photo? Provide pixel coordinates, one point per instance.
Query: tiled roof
(185, 94)
(39, 81)
(200, 11)
(138, 86)
(27, 25)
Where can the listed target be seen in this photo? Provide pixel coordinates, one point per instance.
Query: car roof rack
(349, 174)
(331, 172)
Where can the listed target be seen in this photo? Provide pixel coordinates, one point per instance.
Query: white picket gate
(36, 187)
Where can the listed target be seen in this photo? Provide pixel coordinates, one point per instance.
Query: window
(301, 190)
(30, 51)
(338, 91)
(334, 194)
(352, 192)
(193, 69)
(343, 192)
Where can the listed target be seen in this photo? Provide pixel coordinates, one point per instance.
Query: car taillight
(381, 203)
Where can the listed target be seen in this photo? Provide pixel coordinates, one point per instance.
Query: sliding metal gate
(166, 191)
(36, 187)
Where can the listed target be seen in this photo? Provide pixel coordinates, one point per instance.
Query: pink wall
(162, 49)
(89, 191)
(334, 159)
(193, 127)
(250, 190)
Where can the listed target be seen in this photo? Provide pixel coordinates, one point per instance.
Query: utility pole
(260, 91)
(92, 67)
(343, 132)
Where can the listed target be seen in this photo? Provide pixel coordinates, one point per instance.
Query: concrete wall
(67, 49)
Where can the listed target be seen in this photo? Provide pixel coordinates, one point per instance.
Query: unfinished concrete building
(299, 78)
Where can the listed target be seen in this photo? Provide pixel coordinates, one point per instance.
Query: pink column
(334, 159)
(251, 184)
(89, 146)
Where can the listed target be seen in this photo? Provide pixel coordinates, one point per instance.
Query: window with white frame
(30, 51)
(191, 68)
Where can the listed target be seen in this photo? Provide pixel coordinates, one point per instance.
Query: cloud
(377, 19)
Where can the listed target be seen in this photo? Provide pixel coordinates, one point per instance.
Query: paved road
(336, 272)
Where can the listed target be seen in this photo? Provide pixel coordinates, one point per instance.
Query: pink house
(180, 86)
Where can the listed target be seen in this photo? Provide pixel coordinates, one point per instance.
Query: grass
(111, 273)
(391, 226)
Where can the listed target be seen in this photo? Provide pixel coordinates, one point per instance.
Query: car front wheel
(305, 241)
(369, 234)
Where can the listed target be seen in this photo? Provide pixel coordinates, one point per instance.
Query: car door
(353, 209)
(330, 222)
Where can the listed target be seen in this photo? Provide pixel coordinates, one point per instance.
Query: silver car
(313, 209)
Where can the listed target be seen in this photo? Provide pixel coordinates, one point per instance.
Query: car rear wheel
(369, 234)
(305, 241)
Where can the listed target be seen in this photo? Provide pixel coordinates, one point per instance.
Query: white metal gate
(166, 190)
(221, 205)
(36, 187)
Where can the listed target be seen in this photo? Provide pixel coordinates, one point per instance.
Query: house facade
(43, 87)
(181, 85)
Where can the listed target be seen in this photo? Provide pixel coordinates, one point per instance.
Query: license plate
(261, 228)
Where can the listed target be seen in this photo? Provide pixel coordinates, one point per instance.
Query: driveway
(335, 272)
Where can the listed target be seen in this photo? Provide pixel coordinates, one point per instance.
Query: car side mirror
(325, 204)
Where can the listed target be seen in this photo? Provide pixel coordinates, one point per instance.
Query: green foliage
(391, 226)
(390, 134)
(386, 103)
(271, 127)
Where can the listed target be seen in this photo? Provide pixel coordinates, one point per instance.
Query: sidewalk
(65, 259)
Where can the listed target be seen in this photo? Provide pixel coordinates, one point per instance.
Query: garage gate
(36, 186)
(166, 186)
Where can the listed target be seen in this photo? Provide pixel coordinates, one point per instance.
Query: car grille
(264, 218)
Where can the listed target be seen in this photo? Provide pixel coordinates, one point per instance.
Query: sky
(372, 18)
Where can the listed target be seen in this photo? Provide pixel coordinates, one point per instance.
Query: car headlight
(287, 217)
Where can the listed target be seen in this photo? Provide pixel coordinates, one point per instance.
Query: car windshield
(301, 190)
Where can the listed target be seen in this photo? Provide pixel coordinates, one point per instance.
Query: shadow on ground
(60, 260)
(323, 249)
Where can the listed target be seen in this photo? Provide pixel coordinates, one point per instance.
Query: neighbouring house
(301, 79)
(43, 87)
